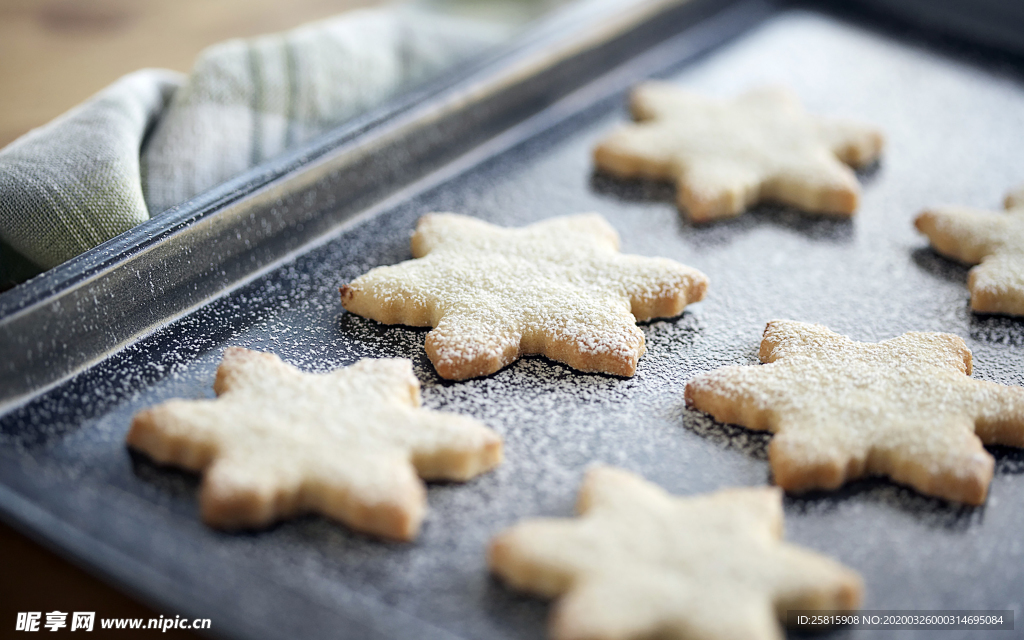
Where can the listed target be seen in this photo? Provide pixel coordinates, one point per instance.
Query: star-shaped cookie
(992, 240)
(641, 563)
(906, 408)
(725, 156)
(558, 288)
(351, 444)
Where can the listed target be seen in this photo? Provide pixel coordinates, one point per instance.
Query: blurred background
(282, 91)
(56, 53)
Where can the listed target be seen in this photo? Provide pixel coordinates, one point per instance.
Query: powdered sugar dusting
(558, 288)
(278, 442)
(993, 241)
(905, 408)
(640, 558)
(728, 155)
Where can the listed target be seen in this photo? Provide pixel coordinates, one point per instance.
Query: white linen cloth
(94, 173)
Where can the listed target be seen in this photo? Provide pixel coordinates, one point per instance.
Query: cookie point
(974, 490)
(688, 393)
(236, 352)
(347, 293)
(399, 518)
(924, 220)
(844, 202)
(850, 593)
(228, 508)
(978, 497)
(1014, 200)
(497, 551)
(703, 208)
(700, 287)
(493, 454)
(598, 469)
(428, 219)
(405, 533)
(139, 433)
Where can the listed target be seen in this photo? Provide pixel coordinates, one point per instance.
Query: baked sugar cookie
(559, 288)
(351, 444)
(641, 563)
(725, 156)
(991, 240)
(905, 408)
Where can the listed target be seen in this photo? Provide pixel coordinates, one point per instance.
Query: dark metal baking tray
(145, 317)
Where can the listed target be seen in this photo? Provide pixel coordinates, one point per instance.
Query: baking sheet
(954, 126)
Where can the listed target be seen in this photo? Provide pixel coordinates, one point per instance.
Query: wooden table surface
(53, 55)
(56, 53)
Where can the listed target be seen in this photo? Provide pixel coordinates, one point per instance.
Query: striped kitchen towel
(94, 172)
(249, 100)
(74, 182)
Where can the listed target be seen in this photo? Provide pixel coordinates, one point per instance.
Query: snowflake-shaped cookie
(994, 241)
(641, 563)
(725, 156)
(351, 444)
(558, 288)
(906, 408)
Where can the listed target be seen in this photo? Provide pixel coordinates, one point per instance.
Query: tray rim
(94, 554)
